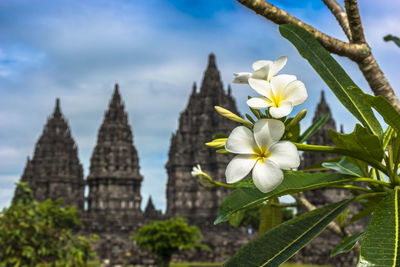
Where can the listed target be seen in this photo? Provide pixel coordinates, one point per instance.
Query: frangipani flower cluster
(262, 153)
(279, 93)
(258, 143)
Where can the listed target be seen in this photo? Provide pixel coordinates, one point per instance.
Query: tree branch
(340, 16)
(332, 226)
(358, 51)
(279, 16)
(354, 19)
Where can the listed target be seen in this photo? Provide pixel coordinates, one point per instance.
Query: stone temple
(112, 207)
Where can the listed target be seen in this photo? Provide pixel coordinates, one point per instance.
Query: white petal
(241, 141)
(258, 102)
(285, 155)
(261, 86)
(267, 132)
(261, 63)
(267, 176)
(284, 109)
(295, 92)
(262, 73)
(279, 82)
(277, 66)
(239, 167)
(241, 77)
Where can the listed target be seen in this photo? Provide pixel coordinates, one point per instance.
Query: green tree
(165, 238)
(40, 234)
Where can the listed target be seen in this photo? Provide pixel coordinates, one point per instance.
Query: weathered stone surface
(114, 179)
(186, 197)
(151, 213)
(55, 171)
(197, 124)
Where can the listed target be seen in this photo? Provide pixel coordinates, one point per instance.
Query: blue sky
(154, 49)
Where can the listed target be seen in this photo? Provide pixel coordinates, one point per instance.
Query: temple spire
(116, 97)
(55, 170)
(194, 88)
(211, 61)
(211, 85)
(197, 124)
(114, 166)
(57, 109)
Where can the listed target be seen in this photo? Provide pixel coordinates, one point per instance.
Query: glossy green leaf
(270, 216)
(333, 74)
(344, 166)
(347, 244)
(359, 141)
(280, 243)
(380, 246)
(313, 129)
(294, 181)
(387, 111)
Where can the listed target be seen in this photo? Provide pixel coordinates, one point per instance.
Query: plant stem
(352, 187)
(204, 177)
(336, 150)
(369, 180)
(378, 194)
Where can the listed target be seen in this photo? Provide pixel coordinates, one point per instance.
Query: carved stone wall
(185, 196)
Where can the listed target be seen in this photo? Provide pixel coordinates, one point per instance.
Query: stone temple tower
(114, 180)
(197, 124)
(55, 171)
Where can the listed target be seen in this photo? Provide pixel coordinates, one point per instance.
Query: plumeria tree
(265, 166)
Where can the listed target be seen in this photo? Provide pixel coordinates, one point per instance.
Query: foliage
(251, 217)
(393, 38)
(164, 238)
(368, 166)
(275, 246)
(41, 234)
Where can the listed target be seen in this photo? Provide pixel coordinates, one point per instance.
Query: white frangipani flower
(281, 94)
(196, 171)
(262, 153)
(263, 70)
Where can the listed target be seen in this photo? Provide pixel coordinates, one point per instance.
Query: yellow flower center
(277, 100)
(261, 154)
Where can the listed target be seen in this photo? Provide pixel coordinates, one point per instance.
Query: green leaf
(236, 218)
(380, 246)
(344, 166)
(387, 111)
(347, 244)
(294, 181)
(333, 74)
(270, 217)
(282, 242)
(359, 141)
(313, 129)
(393, 38)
